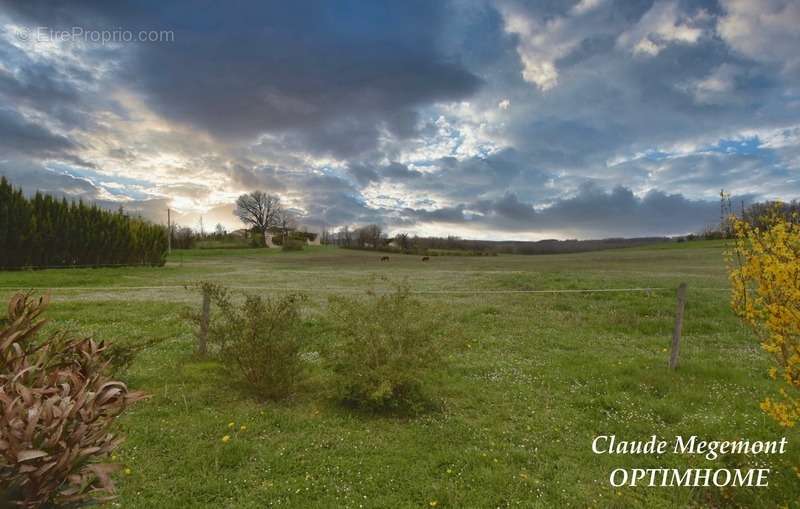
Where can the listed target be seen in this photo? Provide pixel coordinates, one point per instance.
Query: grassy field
(531, 379)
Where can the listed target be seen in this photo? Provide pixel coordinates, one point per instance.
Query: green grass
(531, 379)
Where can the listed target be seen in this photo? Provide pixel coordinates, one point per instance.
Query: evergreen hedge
(46, 232)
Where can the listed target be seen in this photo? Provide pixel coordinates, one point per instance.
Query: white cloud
(585, 6)
(716, 88)
(767, 30)
(504, 104)
(661, 26)
(540, 45)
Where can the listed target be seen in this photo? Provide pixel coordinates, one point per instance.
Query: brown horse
(384, 258)
(425, 258)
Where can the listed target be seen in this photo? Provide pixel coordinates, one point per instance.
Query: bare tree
(345, 236)
(370, 236)
(403, 240)
(285, 221)
(258, 210)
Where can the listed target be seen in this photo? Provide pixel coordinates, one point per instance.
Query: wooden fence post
(202, 337)
(676, 333)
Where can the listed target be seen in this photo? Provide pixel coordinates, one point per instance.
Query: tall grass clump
(57, 411)
(387, 346)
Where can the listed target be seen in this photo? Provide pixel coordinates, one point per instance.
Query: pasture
(531, 378)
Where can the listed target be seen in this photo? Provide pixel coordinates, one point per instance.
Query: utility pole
(169, 232)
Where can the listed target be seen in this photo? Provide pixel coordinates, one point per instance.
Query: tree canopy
(258, 210)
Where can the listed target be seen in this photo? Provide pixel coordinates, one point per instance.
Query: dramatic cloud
(764, 30)
(661, 26)
(507, 119)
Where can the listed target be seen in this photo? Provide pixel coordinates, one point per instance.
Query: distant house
(275, 235)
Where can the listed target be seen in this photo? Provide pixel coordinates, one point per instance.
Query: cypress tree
(42, 231)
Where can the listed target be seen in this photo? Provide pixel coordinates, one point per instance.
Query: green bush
(263, 337)
(293, 245)
(386, 347)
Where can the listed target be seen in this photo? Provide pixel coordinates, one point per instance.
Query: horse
(384, 258)
(425, 258)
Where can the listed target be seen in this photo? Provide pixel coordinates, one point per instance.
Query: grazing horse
(384, 258)
(425, 258)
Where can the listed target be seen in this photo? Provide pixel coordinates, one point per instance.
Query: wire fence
(355, 290)
(25, 268)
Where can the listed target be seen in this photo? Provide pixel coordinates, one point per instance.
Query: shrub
(387, 344)
(57, 407)
(263, 337)
(765, 277)
(293, 245)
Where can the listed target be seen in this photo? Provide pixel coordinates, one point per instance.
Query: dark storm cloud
(331, 201)
(609, 99)
(60, 87)
(363, 173)
(620, 212)
(33, 177)
(333, 74)
(20, 135)
(582, 118)
(256, 178)
(400, 172)
(592, 212)
(474, 177)
(35, 83)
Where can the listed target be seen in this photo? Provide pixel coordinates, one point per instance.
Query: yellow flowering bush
(764, 269)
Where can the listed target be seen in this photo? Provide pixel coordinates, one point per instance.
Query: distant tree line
(759, 215)
(43, 231)
(372, 237)
(184, 237)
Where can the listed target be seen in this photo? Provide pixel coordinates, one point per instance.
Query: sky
(488, 120)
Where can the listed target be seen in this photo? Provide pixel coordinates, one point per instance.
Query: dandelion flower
(127, 471)
(231, 424)
(242, 428)
(226, 439)
(433, 503)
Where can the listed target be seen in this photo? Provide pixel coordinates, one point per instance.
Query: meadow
(530, 378)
